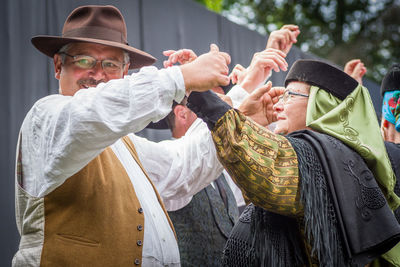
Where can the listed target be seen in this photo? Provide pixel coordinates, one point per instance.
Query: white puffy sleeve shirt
(62, 134)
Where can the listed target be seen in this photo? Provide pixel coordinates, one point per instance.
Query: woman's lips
(280, 118)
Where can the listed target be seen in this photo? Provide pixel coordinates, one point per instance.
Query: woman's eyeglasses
(287, 95)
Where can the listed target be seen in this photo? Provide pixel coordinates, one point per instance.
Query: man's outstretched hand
(207, 71)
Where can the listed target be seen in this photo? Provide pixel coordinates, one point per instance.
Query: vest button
(140, 227)
(139, 242)
(140, 210)
(137, 261)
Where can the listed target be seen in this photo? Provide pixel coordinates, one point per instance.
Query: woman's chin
(281, 128)
(280, 131)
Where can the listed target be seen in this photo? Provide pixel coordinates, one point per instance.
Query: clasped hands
(259, 104)
(210, 70)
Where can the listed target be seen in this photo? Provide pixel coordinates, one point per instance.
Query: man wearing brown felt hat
(83, 197)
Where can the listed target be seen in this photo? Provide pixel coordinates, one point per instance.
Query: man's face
(72, 77)
(291, 115)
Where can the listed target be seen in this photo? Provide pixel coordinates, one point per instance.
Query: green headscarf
(345, 120)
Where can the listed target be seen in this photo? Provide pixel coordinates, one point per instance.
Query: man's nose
(97, 72)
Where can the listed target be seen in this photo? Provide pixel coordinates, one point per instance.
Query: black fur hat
(323, 75)
(391, 81)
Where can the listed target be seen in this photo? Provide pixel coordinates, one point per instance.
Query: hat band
(95, 32)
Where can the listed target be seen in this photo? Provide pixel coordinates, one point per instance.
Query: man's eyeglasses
(287, 95)
(87, 62)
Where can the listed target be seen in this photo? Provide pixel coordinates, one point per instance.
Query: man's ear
(126, 69)
(180, 112)
(57, 66)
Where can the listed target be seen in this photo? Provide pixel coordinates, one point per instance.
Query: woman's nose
(278, 107)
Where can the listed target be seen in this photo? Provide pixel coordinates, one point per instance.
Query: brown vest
(94, 218)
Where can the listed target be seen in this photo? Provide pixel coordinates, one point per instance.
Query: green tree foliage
(214, 5)
(338, 30)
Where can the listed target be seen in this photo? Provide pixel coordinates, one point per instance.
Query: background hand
(261, 66)
(356, 69)
(182, 56)
(237, 74)
(284, 38)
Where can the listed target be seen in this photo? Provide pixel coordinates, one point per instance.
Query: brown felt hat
(94, 24)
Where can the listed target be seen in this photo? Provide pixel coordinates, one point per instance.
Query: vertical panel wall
(153, 25)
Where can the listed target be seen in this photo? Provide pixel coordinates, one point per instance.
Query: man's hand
(284, 38)
(207, 71)
(182, 56)
(261, 66)
(356, 69)
(259, 104)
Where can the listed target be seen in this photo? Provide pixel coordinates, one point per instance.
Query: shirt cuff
(237, 95)
(174, 73)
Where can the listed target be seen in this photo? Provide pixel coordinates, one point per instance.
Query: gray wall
(153, 25)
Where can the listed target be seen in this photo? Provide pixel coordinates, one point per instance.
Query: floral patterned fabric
(391, 108)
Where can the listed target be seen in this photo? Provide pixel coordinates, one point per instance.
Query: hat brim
(50, 45)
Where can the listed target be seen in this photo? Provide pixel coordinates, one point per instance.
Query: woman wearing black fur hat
(322, 185)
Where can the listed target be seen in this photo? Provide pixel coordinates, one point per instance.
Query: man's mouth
(86, 83)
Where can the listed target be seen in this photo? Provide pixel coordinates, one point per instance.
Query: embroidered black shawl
(346, 219)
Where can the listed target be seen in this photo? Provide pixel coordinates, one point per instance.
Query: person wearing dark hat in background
(390, 91)
(390, 122)
(82, 195)
(322, 185)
